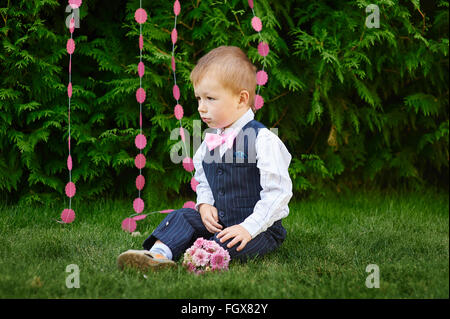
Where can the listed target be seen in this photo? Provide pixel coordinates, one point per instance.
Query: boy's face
(218, 106)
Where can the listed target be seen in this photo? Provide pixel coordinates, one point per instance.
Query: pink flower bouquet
(206, 255)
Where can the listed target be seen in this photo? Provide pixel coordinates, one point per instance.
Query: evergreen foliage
(355, 106)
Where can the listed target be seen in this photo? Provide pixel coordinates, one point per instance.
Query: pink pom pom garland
(263, 50)
(68, 214)
(129, 224)
(140, 141)
(74, 4)
(178, 109)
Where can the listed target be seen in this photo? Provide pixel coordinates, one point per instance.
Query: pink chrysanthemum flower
(200, 257)
(191, 251)
(199, 242)
(211, 246)
(217, 260)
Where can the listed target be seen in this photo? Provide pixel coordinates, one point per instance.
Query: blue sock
(162, 249)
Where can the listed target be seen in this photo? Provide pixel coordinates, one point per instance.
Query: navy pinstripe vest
(234, 178)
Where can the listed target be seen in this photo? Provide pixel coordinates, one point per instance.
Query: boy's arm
(204, 193)
(273, 161)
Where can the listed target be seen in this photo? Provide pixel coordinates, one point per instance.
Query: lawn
(330, 242)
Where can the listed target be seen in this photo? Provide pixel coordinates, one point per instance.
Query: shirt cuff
(203, 201)
(253, 227)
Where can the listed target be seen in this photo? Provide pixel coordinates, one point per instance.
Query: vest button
(221, 193)
(221, 214)
(219, 171)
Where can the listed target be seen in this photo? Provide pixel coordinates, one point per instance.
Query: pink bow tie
(214, 140)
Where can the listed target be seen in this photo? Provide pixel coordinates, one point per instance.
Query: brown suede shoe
(143, 260)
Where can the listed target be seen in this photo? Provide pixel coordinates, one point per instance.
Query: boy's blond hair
(232, 67)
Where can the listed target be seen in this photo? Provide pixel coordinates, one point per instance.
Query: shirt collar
(240, 123)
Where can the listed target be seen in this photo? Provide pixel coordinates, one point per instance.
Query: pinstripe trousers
(182, 227)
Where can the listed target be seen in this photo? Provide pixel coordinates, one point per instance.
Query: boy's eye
(208, 97)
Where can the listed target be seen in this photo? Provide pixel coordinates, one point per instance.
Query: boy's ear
(244, 97)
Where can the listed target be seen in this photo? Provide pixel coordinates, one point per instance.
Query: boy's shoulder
(268, 139)
(254, 124)
(262, 131)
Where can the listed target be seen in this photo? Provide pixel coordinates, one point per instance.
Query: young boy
(244, 185)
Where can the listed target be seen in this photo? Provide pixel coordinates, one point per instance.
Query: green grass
(329, 244)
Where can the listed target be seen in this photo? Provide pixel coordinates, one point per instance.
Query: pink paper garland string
(188, 163)
(263, 50)
(140, 141)
(68, 214)
(129, 224)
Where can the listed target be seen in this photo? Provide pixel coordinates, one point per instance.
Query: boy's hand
(239, 233)
(210, 218)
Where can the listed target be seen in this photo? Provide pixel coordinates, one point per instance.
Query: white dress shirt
(272, 159)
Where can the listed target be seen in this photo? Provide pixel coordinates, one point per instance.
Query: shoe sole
(142, 262)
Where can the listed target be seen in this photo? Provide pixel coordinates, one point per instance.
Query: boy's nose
(201, 107)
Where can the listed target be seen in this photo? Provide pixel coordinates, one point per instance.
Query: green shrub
(355, 106)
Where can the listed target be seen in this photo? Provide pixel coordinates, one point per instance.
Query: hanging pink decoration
(261, 77)
(194, 184)
(189, 204)
(259, 102)
(139, 161)
(70, 46)
(176, 7)
(256, 24)
(72, 25)
(178, 111)
(263, 49)
(140, 182)
(183, 138)
(174, 36)
(139, 217)
(70, 189)
(173, 64)
(138, 205)
(141, 42)
(176, 92)
(140, 95)
(129, 225)
(69, 163)
(69, 90)
(140, 16)
(74, 4)
(140, 141)
(68, 216)
(188, 164)
(141, 69)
